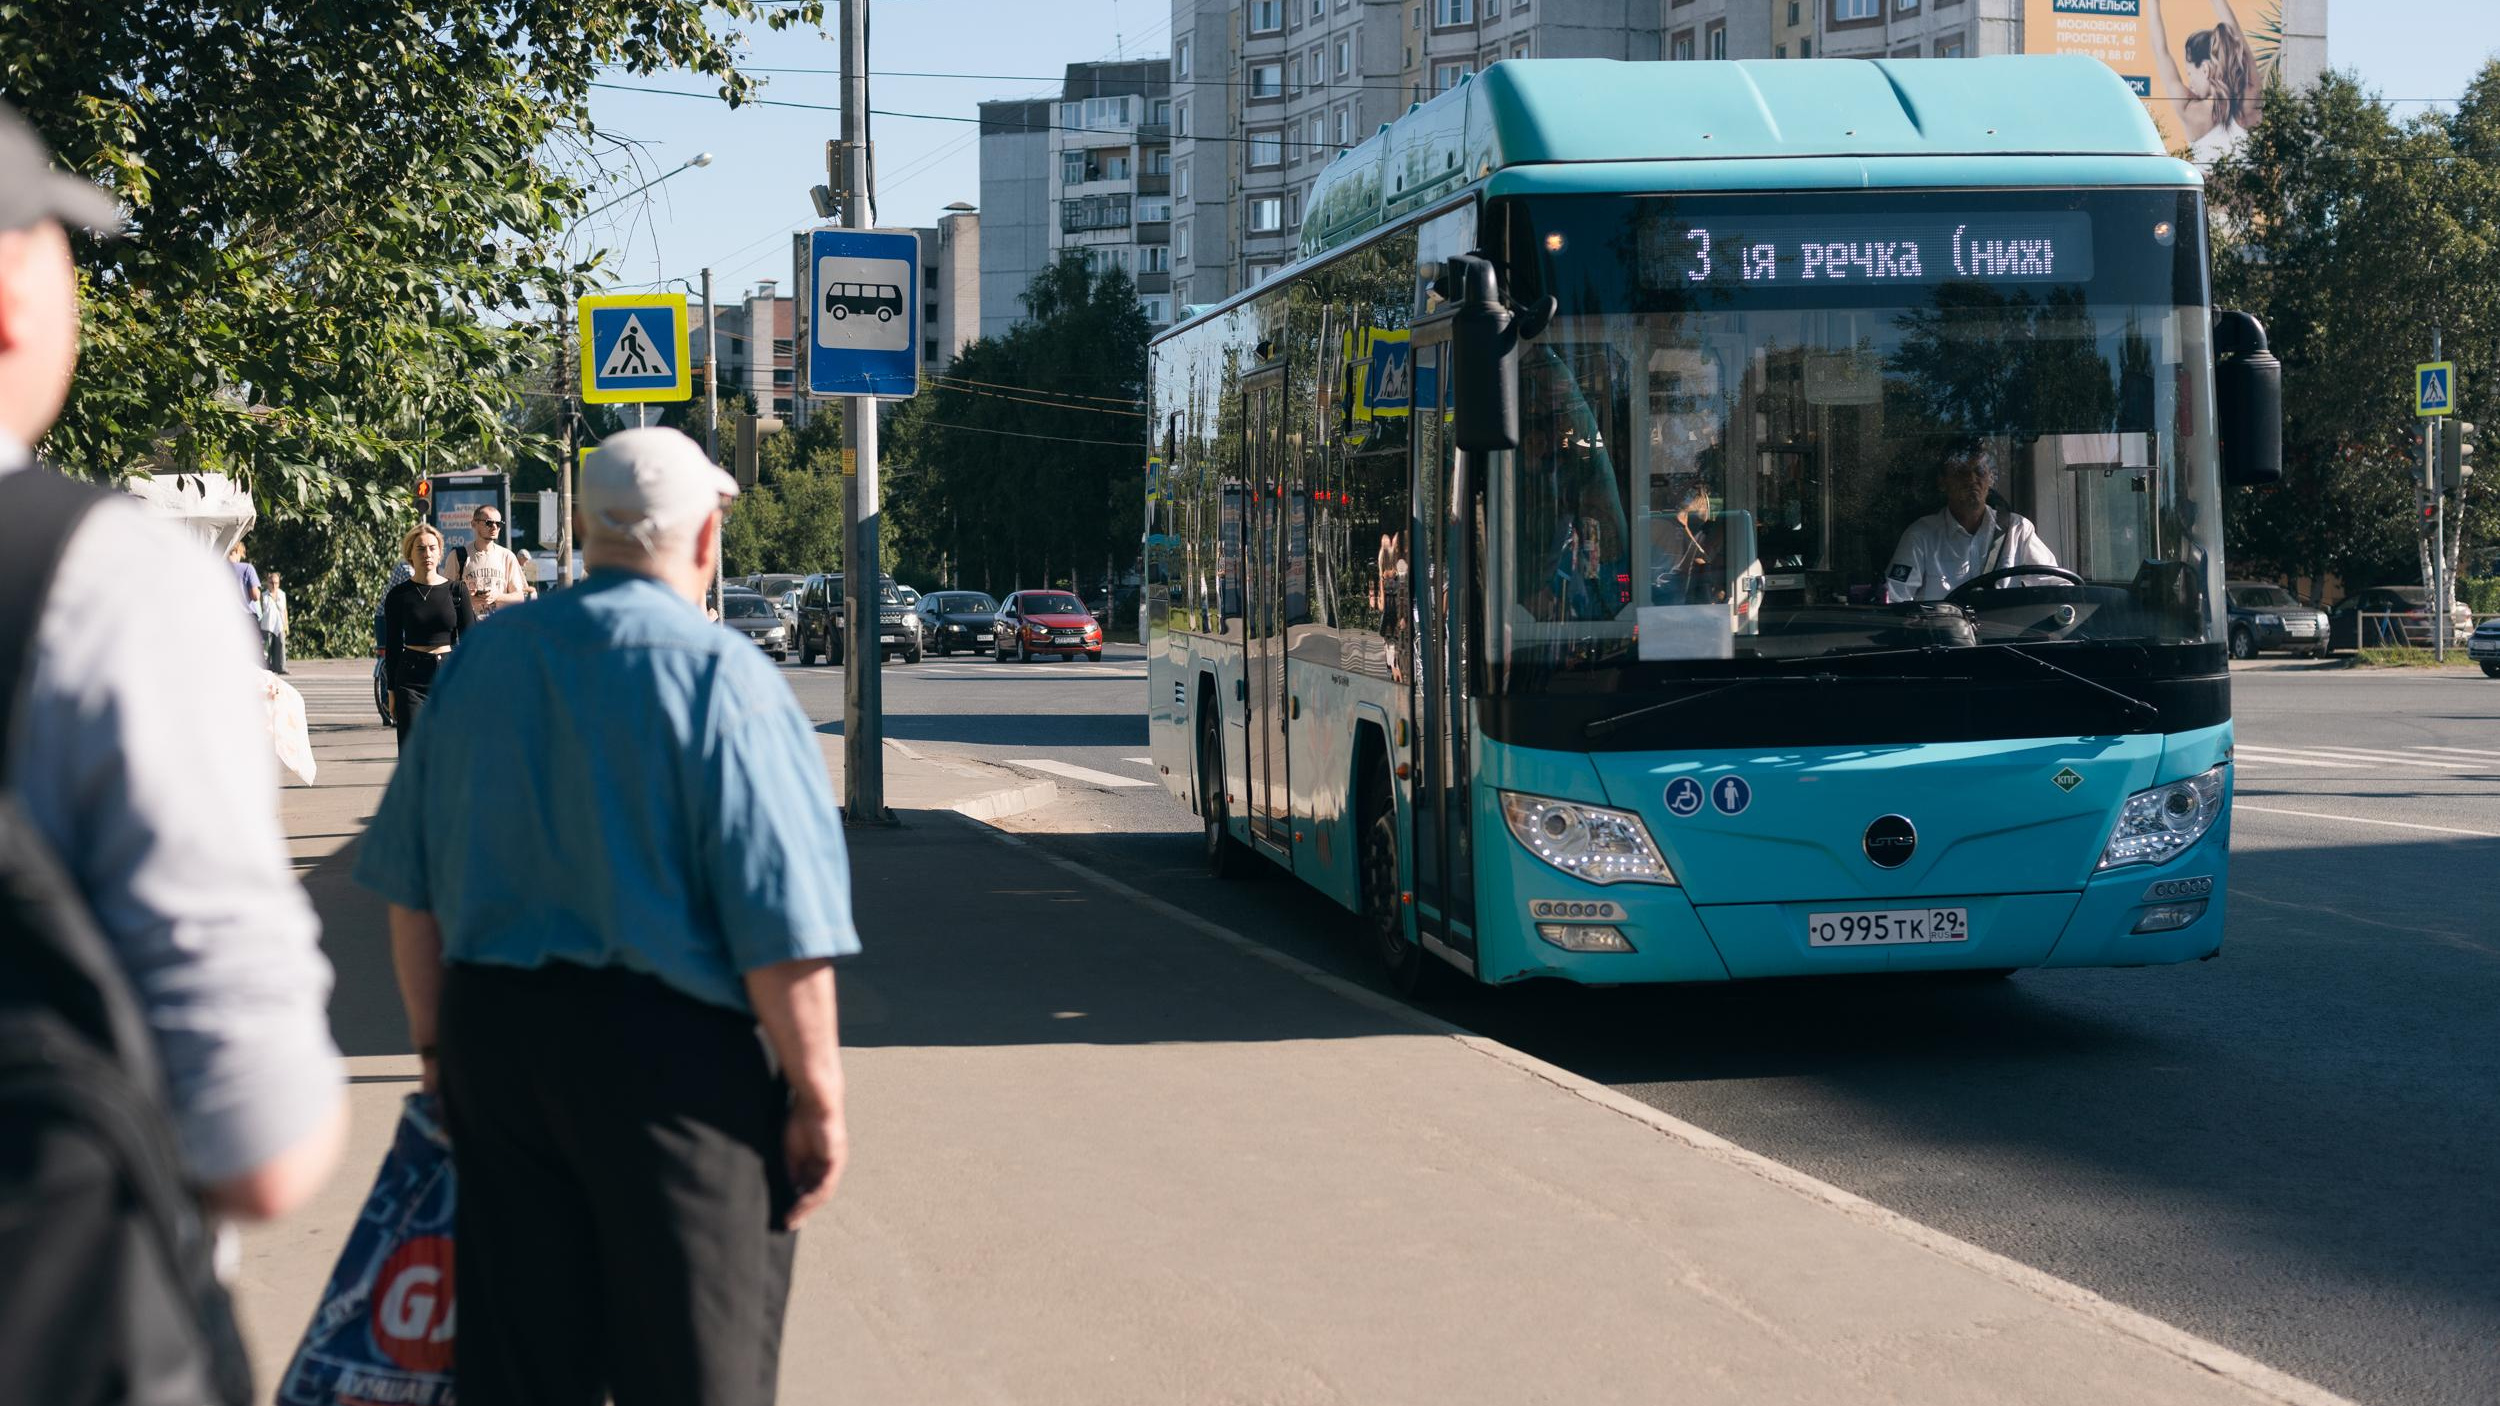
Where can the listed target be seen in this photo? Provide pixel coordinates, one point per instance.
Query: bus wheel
(1405, 963)
(1223, 853)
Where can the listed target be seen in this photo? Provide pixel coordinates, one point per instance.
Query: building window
(1109, 166)
(1267, 148)
(1106, 114)
(1267, 214)
(1293, 207)
(1093, 212)
(1805, 48)
(1267, 80)
(1857, 11)
(1159, 161)
(1154, 209)
(1715, 40)
(1450, 12)
(1072, 116)
(1180, 53)
(1293, 75)
(1793, 19)
(1267, 16)
(1949, 47)
(1345, 119)
(928, 314)
(1519, 47)
(1319, 10)
(1154, 309)
(783, 378)
(1180, 119)
(1779, 51)
(1905, 7)
(1260, 273)
(1449, 75)
(1180, 242)
(928, 275)
(1162, 112)
(1071, 168)
(781, 406)
(1319, 138)
(1180, 180)
(782, 348)
(928, 351)
(1906, 51)
(1158, 258)
(1681, 47)
(1345, 58)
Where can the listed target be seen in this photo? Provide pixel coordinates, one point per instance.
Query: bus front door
(1445, 873)
(1270, 809)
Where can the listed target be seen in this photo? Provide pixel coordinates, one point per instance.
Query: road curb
(2234, 1367)
(1011, 800)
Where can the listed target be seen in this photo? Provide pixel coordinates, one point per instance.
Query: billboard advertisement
(2201, 66)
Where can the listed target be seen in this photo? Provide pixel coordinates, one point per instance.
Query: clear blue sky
(735, 214)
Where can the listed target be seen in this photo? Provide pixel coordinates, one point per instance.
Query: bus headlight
(2158, 824)
(1587, 842)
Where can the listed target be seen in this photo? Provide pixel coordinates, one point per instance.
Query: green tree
(2352, 235)
(342, 216)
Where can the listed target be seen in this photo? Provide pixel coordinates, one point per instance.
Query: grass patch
(2401, 657)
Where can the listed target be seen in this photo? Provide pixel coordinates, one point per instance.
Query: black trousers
(622, 1184)
(412, 676)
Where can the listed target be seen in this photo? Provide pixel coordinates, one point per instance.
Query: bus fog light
(2170, 917)
(1584, 937)
(1590, 843)
(2160, 824)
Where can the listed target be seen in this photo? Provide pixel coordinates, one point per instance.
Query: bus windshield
(1758, 430)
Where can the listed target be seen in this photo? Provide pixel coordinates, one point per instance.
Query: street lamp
(700, 158)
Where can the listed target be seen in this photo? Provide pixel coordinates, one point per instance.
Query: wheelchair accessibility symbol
(1683, 798)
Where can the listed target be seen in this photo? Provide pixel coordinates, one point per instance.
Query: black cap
(33, 190)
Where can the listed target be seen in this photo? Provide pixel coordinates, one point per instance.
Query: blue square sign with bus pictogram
(634, 348)
(864, 313)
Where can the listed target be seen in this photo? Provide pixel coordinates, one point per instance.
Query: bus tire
(1224, 855)
(839, 312)
(1405, 963)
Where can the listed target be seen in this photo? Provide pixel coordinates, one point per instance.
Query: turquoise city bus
(1692, 521)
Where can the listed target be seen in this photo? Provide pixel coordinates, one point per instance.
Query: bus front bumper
(2179, 904)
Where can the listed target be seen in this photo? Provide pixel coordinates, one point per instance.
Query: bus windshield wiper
(1600, 727)
(2134, 704)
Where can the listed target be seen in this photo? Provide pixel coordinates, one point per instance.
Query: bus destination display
(1790, 251)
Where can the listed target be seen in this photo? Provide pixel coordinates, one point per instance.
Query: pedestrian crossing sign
(634, 348)
(2435, 388)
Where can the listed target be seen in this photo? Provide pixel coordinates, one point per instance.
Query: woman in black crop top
(422, 618)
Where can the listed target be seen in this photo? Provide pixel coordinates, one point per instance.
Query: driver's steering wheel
(1989, 580)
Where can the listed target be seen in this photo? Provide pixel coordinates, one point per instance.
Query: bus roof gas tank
(1522, 114)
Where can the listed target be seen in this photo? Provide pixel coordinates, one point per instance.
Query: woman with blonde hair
(422, 618)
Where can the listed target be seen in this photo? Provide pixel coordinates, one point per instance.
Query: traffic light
(2456, 456)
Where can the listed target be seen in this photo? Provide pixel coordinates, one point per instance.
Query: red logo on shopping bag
(412, 1305)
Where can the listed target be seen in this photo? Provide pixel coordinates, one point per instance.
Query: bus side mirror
(2248, 402)
(1484, 359)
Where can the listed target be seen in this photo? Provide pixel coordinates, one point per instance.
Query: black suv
(820, 629)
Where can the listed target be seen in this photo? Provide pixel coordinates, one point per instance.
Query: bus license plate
(1887, 927)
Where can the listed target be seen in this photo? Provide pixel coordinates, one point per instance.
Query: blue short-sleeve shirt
(607, 778)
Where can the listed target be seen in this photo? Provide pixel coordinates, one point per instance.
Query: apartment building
(1110, 173)
(758, 355)
(1015, 205)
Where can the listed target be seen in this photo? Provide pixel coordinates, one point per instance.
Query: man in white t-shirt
(1966, 538)
(493, 576)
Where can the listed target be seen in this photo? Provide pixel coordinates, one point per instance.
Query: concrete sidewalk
(1106, 1153)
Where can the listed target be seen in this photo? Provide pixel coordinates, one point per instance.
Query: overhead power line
(932, 116)
(1034, 390)
(1024, 434)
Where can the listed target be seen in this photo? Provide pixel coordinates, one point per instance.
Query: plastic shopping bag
(383, 1330)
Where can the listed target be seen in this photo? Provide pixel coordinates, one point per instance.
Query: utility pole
(2439, 524)
(863, 702)
(564, 469)
(711, 427)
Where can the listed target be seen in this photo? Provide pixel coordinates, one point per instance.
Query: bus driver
(1966, 538)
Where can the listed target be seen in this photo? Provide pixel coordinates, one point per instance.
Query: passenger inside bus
(1966, 538)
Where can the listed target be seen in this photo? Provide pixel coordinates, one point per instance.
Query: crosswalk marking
(2483, 753)
(2258, 754)
(1087, 775)
(2445, 759)
(1141, 761)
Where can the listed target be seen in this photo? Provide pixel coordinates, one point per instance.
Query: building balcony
(1154, 283)
(1154, 185)
(1154, 131)
(1154, 231)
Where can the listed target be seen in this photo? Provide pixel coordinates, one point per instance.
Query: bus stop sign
(865, 311)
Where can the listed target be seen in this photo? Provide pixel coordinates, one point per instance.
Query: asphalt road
(2290, 1150)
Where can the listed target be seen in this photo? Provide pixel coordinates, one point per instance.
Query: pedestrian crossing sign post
(634, 348)
(2435, 388)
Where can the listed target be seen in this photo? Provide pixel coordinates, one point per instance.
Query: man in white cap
(586, 963)
(133, 746)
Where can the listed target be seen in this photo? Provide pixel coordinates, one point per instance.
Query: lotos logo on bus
(412, 1305)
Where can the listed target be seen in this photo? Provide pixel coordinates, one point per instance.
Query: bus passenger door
(1445, 879)
(1270, 808)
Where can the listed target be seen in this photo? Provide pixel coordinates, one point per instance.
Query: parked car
(773, 585)
(2267, 617)
(820, 627)
(953, 620)
(2411, 604)
(2483, 647)
(1033, 623)
(754, 617)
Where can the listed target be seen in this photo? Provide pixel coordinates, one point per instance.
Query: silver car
(2483, 646)
(756, 618)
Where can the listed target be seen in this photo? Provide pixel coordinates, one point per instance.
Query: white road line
(1141, 761)
(2362, 754)
(1077, 773)
(2231, 1366)
(2484, 753)
(2358, 820)
(2261, 757)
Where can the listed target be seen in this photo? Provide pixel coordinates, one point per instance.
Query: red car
(1031, 623)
